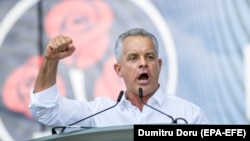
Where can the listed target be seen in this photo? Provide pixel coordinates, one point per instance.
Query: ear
(159, 64)
(117, 68)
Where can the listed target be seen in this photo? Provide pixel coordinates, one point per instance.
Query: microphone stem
(70, 125)
(173, 121)
(88, 117)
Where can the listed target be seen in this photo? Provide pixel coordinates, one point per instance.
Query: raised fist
(59, 47)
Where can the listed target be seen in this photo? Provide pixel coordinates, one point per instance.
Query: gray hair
(132, 32)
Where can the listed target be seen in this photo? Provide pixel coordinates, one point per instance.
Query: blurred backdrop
(205, 47)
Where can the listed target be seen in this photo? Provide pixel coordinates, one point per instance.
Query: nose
(143, 62)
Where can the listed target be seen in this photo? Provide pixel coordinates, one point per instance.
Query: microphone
(71, 125)
(174, 121)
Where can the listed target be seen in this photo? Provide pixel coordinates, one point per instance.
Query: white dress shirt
(49, 108)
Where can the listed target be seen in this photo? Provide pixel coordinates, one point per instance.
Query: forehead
(138, 42)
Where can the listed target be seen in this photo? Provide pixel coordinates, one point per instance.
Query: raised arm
(58, 48)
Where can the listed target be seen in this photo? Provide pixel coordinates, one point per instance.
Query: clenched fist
(59, 47)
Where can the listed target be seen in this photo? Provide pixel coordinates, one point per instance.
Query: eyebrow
(151, 53)
(136, 54)
(132, 54)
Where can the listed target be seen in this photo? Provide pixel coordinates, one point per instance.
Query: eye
(150, 57)
(132, 57)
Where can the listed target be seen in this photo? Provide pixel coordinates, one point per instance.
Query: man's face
(139, 65)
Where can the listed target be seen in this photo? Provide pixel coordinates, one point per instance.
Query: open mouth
(143, 76)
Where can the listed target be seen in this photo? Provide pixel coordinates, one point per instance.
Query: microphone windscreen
(140, 92)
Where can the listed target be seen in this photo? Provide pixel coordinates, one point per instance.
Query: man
(136, 52)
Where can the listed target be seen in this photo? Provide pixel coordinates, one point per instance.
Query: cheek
(127, 73)
(128, 70)
(156, 70)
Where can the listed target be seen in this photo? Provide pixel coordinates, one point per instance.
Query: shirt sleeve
(50, 109)
(47, 98)
(201, 118)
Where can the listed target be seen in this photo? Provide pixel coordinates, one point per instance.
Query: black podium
(114, 133)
